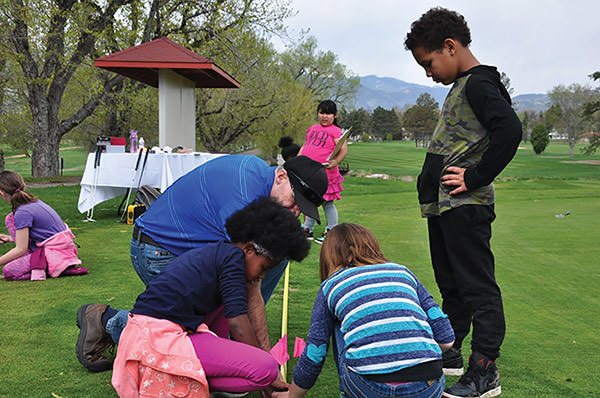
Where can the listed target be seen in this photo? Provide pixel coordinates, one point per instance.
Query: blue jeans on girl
(354, 385)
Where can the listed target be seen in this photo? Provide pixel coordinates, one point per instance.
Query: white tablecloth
(117, 172)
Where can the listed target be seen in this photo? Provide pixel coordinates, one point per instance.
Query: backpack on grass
(144, 197)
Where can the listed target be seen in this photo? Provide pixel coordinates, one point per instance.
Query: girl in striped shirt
(387, 332)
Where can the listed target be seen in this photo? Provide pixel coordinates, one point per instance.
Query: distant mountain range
(388, 92)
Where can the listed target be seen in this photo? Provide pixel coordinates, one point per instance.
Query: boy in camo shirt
(476, 137)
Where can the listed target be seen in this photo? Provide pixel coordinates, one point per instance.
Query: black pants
(463, 263)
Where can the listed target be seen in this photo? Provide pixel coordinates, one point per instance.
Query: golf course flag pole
(284, 314)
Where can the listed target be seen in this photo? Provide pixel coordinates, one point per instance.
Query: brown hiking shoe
(93, 340)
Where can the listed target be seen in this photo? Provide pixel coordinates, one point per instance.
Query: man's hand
(455, 178)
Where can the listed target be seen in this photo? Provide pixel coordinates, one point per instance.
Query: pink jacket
(56, 253)
(156, 358)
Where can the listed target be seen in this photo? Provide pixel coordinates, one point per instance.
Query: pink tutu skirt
(335, 186)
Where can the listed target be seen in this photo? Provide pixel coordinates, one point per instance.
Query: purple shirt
(42, 220)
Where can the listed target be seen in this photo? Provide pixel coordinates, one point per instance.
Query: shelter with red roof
(176, 72)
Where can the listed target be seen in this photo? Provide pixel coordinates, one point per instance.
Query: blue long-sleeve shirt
(388, 319)
(192, 211)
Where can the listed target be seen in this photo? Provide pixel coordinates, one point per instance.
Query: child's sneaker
(452, 362)
(308, 233)
(322, 238)
(481, 380)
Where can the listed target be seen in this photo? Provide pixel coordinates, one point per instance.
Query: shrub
(539, 138)
(365, 137)
(388, 137)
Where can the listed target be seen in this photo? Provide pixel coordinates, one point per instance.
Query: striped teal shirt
(388, 319)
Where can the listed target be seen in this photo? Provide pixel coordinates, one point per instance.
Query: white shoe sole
(453, 371)
(492, 393)
(488, 394)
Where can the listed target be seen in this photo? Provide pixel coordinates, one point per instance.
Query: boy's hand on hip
(455, 178)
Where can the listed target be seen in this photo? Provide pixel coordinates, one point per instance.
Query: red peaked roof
(142, 63)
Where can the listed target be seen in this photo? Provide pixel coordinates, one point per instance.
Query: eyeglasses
(306, 190)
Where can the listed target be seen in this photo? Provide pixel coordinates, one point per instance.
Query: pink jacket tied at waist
(56, 253)
(155, 358)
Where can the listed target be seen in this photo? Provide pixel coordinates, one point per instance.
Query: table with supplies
(109, 175)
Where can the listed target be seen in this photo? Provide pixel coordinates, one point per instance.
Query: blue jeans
(148, 261)
(354, 385)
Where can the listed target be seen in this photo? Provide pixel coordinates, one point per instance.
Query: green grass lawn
(547, 268)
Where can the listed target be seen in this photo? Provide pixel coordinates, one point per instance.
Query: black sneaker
(308, 233)
(452, 362)
(481, 380)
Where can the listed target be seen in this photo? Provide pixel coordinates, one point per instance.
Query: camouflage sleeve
(494, 112)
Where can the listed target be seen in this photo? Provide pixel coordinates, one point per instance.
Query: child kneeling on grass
(387, 332)
(169, 346)
(43, 242)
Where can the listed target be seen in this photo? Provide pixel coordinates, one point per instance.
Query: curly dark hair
(270, 225)
(434, 27)
(289, 148)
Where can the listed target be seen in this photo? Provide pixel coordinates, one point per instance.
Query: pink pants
(18, 269)
(229, 365)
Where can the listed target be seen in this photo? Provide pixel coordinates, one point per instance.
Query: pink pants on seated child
(18, 269)
(232, 366)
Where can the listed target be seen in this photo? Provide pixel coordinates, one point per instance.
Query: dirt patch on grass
(381, 176)
(54, 182)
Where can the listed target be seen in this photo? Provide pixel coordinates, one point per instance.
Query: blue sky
(538, 44)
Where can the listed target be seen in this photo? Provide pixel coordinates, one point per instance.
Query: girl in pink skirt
(320, 141)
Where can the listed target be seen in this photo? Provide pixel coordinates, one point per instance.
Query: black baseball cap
(309, 182)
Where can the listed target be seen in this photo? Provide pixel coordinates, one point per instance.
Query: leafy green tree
(551, 116)
(321, 73)
(571, 101)
(420, 119)
(359, 120)
(506, 82)
(385, 122)
(528, 120)
(590, 111)
(539, 138)
(271, 102)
